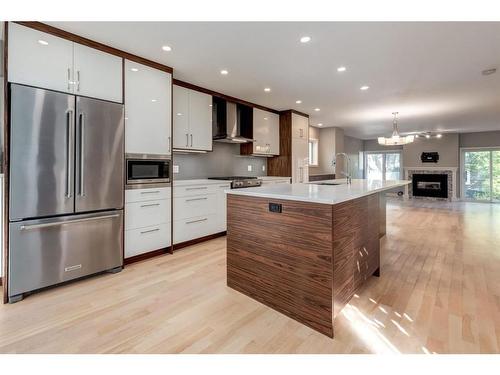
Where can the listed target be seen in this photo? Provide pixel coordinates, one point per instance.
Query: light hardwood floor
(439, 291)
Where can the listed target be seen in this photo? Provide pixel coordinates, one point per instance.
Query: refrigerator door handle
(69, 152)
(81, 190)
(58, 223)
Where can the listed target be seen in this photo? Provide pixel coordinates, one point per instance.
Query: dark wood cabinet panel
(307, 261)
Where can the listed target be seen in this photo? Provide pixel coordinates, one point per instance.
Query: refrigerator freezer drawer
(46, 252)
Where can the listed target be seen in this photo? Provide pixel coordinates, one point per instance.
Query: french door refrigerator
(66, 188)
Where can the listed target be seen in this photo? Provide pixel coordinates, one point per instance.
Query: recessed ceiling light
(341, 69)
(134, 69)
(305, 39)
(439, 135)
(417, 136)
(166, 48)
(320, 124)
(427, 136)
(224, 72)
(267, 89)
(317, 109)
(298, 101)
(265, 118)
(43, 42)
(364, 88)
(153, 100)
(179, 114)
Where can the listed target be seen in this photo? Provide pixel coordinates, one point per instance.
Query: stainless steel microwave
(148, 169)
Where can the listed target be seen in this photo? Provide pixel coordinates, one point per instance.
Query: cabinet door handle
(224, 186)
(196, 199)
(169, 145)
(191, 140)
(150, 205)
(197, 188)
(69, 78)
(150, 231)
(196, 221)
(77, 80)
(301, 133)
(187, 140)
(150, 192)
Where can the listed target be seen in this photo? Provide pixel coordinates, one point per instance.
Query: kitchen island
(304, 249)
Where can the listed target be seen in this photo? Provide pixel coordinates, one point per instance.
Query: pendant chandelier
(396, 139)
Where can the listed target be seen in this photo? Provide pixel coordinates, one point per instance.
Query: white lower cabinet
(221, 225)
(199, 210)
(147, 220)
(143, 240)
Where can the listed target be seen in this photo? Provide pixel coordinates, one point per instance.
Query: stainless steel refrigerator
(66, 188)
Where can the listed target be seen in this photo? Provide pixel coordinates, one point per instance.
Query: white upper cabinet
(192, 119)
(97, 74)
(300, 126)
(42, 60)
(181, 117)
(200, 120)
(39, 59)
(266, 132)
(147, 110)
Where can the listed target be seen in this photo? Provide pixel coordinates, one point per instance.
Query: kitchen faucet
(348, 173)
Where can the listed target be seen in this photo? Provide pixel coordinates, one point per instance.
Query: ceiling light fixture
(305, 39)
(395, 139)
(267, 89)
(320, 124)
(153, 100)
(224, 72)
(341, 69)
(298, 101)
(166, 48)
(364, 88)
(427, 136)
(439, 135)
(317, 109)
(134, 69)
(43, 42)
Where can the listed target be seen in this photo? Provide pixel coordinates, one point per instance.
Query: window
(481, 174)
(384, 165)
(313, 152)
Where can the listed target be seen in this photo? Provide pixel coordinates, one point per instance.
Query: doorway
(480, 174)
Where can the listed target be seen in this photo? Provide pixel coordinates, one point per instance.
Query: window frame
(313, 159)
(384, 152)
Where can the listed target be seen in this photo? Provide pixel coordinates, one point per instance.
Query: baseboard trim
(148, 255)
(198, 240)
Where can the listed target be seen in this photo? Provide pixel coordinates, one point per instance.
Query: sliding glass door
(481, 174)
(384, 165)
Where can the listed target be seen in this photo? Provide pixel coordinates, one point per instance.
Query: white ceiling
(429, 72)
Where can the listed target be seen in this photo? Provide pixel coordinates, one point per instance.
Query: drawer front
(142, 195)
(143, 240)
(145, 214)
(188, 191)
(189, 229)
(194, 206)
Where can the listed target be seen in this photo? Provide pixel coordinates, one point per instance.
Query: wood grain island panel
(306, 261)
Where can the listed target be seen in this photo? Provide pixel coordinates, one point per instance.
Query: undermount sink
(328, 183)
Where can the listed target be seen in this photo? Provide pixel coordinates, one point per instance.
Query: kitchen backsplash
(224, 160)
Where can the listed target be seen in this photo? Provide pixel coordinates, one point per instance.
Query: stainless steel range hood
(228, 124)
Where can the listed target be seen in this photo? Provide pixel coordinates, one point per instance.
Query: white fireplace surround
(434, 169)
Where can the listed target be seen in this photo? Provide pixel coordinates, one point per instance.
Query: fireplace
(430, 185)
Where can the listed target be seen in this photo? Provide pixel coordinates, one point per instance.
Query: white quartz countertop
(327, 194)
(200, 181)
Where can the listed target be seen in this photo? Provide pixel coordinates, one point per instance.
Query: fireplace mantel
(435, 169)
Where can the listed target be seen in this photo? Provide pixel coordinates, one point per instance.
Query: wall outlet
(249, 168)
(176, 169)
(263, 168)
